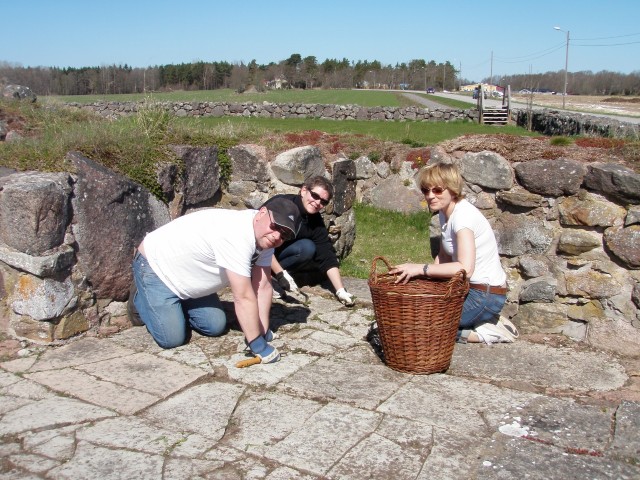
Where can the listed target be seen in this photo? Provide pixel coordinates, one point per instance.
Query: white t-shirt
(488, 269)
(192, 253)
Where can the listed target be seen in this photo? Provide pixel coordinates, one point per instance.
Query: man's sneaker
(267, 353)
(132, 311)
(270, 336)
(276, 294)
(490, 333)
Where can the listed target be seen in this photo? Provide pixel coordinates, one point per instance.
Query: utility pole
(566, 66)
(444, 76)
(491, 72)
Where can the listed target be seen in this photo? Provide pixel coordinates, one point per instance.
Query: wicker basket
(417, 321)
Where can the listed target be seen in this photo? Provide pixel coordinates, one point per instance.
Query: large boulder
(34, 210)
(552, 178)
(19, 92)
(294, 166)
(201, 179)
(487, 169)
(614, 181)
(112, 216)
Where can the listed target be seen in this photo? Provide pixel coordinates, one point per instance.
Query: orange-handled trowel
(248, 362)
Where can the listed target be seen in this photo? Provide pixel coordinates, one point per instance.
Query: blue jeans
(480, 307)
(168, 319)
(298, 256)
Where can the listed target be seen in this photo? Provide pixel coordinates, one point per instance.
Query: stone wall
(568, 232)
(285, 110)
(67, 240)
(554, 122)
(547, 122)
(568, 236)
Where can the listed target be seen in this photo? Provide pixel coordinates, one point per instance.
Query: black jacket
(312, 227)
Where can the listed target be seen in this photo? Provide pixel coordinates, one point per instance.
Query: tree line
(297, 72)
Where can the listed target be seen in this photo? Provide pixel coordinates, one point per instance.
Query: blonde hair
(442, 175)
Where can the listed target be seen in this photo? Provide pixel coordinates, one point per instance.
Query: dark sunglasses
(435, 190)
(318, 198)
(285, 233)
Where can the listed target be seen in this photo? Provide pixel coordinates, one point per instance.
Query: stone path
(122, 408)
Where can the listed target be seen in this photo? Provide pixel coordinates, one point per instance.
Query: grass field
(365, 98)
(398, 237)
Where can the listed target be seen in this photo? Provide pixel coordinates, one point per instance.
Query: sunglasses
(435, 190)
(285, 233)
(318, 198)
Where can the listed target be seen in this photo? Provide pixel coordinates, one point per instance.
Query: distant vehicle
(475, 93)
(431, 90)
(497, 94)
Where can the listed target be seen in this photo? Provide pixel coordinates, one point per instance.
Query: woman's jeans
(168, 319)
(298, 256)
(479, 307)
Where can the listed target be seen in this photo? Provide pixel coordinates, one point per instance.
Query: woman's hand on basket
(406, 271)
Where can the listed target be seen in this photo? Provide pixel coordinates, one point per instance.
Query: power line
(529, 57)
(607, 38)
(602, 45)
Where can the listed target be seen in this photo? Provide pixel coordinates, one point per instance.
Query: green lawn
(398, 237)
(365, 98)
(424, 133)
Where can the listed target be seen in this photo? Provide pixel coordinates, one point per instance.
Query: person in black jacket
(312, 249)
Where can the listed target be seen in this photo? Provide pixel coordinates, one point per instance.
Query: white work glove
(345, 298)
(286, 281)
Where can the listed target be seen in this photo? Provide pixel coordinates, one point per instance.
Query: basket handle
(372, 274)
(458, 279)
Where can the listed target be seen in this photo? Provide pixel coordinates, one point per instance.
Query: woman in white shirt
(467, 243)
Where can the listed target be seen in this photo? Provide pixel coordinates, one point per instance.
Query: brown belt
(484, 287)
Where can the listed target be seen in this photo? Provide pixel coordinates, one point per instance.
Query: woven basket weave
(417, 321)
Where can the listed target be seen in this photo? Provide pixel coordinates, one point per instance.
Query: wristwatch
(425, 270)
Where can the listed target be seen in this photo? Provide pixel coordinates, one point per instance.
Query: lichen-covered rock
(294, 166)
(42, 299)
(201, 173)
(542, 290)
(112, 216)
(487, 169)
(590, 211)
(344, 185)
(575, 242)
(519, 235)
(34, 211)
(551, 177)
(614, 181)
(624, 243)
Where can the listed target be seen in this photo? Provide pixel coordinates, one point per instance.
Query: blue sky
(481, 38)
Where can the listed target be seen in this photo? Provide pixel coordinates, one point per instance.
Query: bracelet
(425, 270)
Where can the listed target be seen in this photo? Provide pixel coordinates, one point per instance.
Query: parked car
(431, 90)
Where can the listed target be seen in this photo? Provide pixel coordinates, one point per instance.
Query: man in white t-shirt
(180, 268)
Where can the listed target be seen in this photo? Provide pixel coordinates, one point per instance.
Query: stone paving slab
(121, 408)
(539, 366)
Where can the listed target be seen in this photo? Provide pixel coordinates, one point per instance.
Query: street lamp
(425, 78)
(566, 66)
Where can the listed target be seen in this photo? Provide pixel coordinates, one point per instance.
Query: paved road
(497, 103)
(123, 408)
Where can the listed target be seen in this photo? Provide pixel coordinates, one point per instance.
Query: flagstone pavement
(120, 407)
